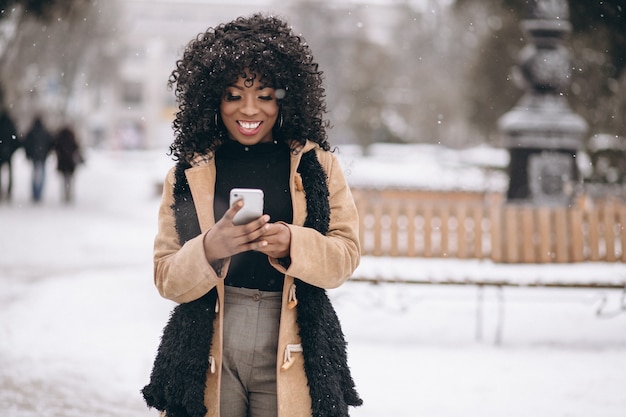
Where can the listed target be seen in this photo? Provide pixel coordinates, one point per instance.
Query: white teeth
(249, 125)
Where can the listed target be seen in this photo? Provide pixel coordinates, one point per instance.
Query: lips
(248, 127)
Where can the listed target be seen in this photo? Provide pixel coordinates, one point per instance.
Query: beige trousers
(251, 321)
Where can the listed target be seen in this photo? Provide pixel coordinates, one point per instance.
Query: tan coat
(182, 274)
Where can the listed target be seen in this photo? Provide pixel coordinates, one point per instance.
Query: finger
(271, 230)
(251, 232)
(260, 224)
(278, 233)
(274, 250)
(232, 210)
(258, 246)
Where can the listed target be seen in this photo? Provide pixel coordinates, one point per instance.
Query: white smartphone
(252, 204)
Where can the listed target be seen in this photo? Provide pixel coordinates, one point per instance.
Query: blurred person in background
(254, 334)
(9, 143)
(38, 143)
(69, 156)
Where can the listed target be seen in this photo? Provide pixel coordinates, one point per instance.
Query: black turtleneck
(264, 166)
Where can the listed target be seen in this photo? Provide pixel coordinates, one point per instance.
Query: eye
(267, 94)
(231, 97)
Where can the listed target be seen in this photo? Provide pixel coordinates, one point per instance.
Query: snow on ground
(427, 166)
(80, 319)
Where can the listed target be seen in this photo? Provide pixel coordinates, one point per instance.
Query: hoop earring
(217, 124)
(280, 121)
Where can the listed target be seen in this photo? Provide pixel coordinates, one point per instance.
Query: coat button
(256, 297)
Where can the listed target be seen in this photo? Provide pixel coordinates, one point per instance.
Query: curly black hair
(267, 48)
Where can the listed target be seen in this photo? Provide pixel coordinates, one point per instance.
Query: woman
(254, 334)
(68, 157)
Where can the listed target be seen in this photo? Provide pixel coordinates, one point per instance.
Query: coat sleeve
(181, 273)
(327, 261)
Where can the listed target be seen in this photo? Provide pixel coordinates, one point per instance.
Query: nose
(249, 107)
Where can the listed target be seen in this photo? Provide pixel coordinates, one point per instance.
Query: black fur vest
(178, 376)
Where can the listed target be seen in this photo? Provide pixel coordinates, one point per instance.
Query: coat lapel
(202, 186)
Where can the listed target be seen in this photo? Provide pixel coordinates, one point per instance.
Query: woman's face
(249, 111)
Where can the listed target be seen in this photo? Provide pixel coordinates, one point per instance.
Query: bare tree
(405, 83)
(598, 47)
(51, 49)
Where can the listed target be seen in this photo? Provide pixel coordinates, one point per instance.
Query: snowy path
(80, 321)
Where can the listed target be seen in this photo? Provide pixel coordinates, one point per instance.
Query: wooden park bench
(477, 238)
(477, 225)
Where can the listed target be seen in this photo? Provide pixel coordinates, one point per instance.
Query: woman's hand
(226, 239)
(278, 238)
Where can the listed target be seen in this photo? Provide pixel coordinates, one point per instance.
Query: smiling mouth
(249, 125)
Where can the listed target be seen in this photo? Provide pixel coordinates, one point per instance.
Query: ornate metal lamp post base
(541, 131)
